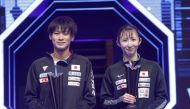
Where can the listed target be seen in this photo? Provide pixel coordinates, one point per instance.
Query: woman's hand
(128, 98)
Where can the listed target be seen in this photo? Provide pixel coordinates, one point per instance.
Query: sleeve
(31, 95)
(107, 92)
(161, 95)
(89, 96)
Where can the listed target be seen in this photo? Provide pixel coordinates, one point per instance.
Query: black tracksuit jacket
(78, 83)
(151, 88)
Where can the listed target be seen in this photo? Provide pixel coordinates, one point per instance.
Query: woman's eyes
(128, 39)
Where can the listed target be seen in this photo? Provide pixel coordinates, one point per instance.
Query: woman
(133, 82)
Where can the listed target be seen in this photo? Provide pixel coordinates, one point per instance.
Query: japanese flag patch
(75, 67)
(144, 74)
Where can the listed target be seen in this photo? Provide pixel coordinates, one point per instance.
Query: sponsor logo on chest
(143, 74)
(43, 77)
(143, 92)
(121, 83)
(75, 67)
(144, 84)
(74, 76)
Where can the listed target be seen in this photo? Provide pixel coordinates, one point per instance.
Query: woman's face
(129, 42)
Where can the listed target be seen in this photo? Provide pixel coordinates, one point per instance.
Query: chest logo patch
(120, 81)
(119, 76)
(144, 74)
(121, 86)
(43, 80)
(73, 84)
(74, 73)
(75, 67)
(143, 92)
(45, 68)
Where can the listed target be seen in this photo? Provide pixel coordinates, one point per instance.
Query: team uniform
(78, 83)
(149, 87)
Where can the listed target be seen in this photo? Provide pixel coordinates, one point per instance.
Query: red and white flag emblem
(143, 73)
(43, 80)
(75, 67)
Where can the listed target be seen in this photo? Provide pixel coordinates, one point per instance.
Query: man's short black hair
(65, 23)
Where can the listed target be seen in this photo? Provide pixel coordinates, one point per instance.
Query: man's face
(61, 40)
(129, 42)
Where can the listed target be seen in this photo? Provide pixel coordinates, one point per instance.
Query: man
(133, 82)
(78, 80)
